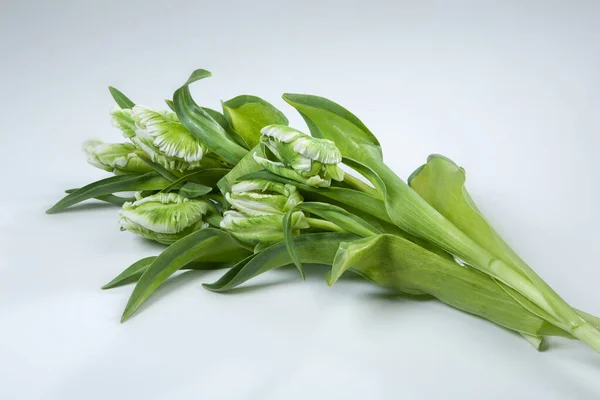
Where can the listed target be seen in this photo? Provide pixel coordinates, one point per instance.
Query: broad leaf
(397, 263)
(249, 114)
(442, 184)
(329, 120)
(221, 120)
(202, 125)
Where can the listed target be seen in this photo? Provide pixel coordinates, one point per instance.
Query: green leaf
(246, 166)
(114, 184)
(134, 272)
(329, 120)
(314, 248)
(158, 168)
(221, 120)
(342, 218)
(170, 104)
(121, 100)
(442, 184)
(288, 239)
(399, 264)
(206, 176)
(249, 114)
(109, 198)
(176, 256)
(192, 190)
(202, 125)
(131, 274)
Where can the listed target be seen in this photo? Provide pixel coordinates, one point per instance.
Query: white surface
(510, 90)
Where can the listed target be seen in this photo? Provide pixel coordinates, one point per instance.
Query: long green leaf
(314, 248)
(221, 120)
(134, 272)
(249, 114)
(121, 100)
(202, 125)
(342, 218)
(400, 264)
(288, 239)
(329, 120)
(176, 256)
(247, 165)
(164, 172)
(109, 198)
(441, 182)
(192, 190)
(114, 184)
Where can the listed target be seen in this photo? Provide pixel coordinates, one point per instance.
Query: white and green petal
(114, 157)
(280, 169)
(164, 217)
(300, 157)
(263, 230)
(169, 135)
(123, 120)
(165, 140)
(321, 150)
(262, 197)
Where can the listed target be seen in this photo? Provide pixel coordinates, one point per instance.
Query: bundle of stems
(242, 191)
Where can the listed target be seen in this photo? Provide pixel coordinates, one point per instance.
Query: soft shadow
(289, 274)
(390, 295)
(172, 284)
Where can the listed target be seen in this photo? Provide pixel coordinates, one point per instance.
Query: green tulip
(161, 136)
(300, 157)
(258, 209)
(261, 197)
(260, 231)
(119, 158)
(164, 217)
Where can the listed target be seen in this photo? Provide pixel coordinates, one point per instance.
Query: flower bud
(300, 157)
(260, 230)
(259, 206)
(262, 197)
(119, 158)
(164, 217)
(161, 136)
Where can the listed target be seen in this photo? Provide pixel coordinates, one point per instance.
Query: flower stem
(323, 224)
(588, 335)
(355, 183)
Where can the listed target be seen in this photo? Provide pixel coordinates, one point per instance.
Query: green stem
(355, 183)
(323, 224)
(588, 334)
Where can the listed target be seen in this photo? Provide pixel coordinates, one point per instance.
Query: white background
(509, 90)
